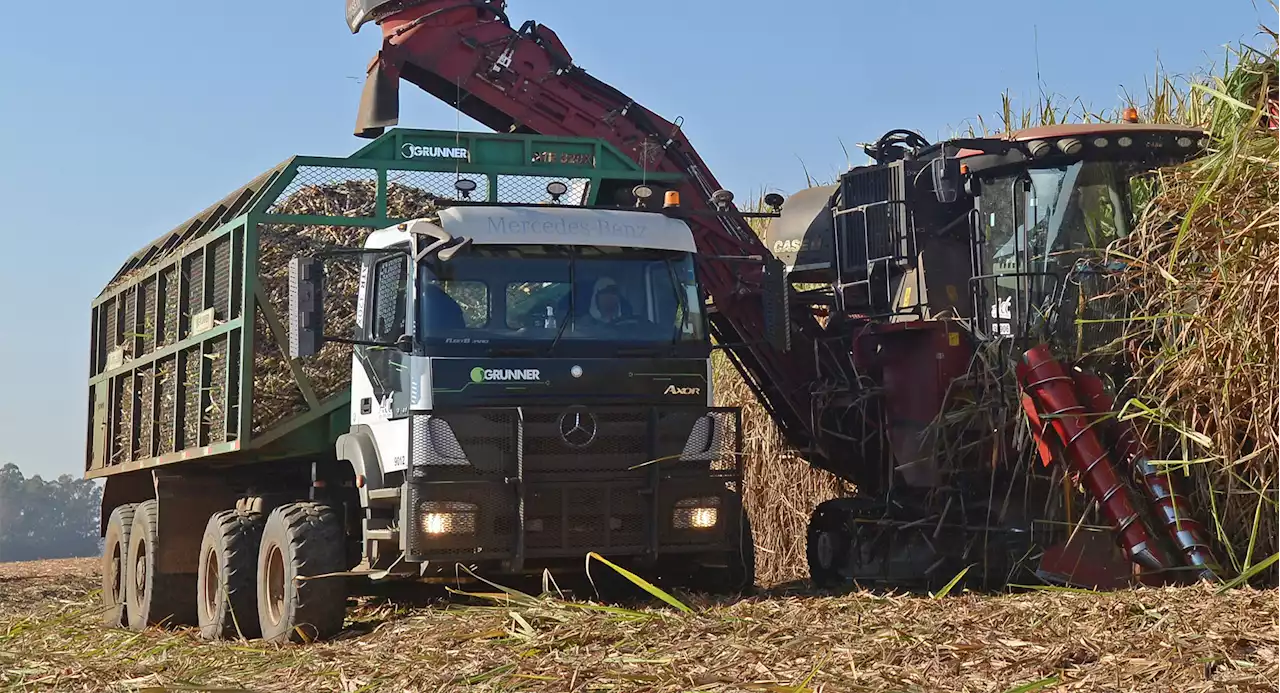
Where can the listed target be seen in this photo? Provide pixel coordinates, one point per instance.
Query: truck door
(380, 384)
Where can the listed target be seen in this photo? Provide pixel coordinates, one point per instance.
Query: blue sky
(122, 120)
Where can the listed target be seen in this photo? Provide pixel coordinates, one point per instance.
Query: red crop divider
(1053, 391)
(1187, 534)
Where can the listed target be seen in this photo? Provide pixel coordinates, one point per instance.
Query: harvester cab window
(1041, 223)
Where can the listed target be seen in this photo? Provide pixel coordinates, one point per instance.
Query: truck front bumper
(506, 485)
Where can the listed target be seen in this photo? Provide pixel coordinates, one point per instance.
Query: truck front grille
(585, 493)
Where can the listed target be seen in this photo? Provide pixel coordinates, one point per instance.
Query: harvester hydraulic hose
(1188, 535)
(1053, 392)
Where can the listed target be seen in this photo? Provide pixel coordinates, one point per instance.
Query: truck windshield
(538, 294)
(1072, 212)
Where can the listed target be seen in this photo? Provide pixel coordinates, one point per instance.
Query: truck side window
(389, 299)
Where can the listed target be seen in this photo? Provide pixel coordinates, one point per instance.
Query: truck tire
(226, 586)
(151, 598)
(115, 552)
(301, 540)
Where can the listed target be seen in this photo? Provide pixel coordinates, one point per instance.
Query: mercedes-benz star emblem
(577, 428)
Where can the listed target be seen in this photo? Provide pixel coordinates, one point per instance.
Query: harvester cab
(939, 252)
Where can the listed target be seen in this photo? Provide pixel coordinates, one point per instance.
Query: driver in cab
(607, 305)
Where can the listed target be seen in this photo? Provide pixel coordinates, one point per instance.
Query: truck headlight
(441, 517)
(696, 513)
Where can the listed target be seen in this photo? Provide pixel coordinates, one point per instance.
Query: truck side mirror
(306, 306)
(946, 178)
(777, 305)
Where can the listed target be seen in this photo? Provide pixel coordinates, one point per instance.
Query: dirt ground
(1185, 639)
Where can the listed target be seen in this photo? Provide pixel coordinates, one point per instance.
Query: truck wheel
(115, 551)
(301, 540)
(226, 586)
(151, 598)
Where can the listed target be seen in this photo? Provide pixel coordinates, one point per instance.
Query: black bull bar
(508, 484)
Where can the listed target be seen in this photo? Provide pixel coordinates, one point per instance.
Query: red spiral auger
(1173, 508)
(1053, 391)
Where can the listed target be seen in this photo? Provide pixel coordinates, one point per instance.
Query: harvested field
(1185, 639)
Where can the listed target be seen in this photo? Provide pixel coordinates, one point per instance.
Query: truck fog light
(440, 518)
(702, 518)
(696, 513)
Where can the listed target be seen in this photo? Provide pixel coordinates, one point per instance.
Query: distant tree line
(47, 519)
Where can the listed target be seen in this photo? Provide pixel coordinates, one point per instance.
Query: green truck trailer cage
(169, 379)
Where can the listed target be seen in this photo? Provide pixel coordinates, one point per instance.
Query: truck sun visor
(525, 225)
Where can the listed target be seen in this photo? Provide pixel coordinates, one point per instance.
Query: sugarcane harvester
(893, 284)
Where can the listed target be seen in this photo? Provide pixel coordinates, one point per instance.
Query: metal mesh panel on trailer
(166, 383)
(129, 327)
(533, 190)
(438, 184)
(122, 399)
(149, 326)
(146, 421)
(231, 378)
(215, 413)
(191, 398)
(236, 280)
(169, 318)
(221, 250)
(193, 273)
(330, 191)
(111, 335)
(276, 392)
